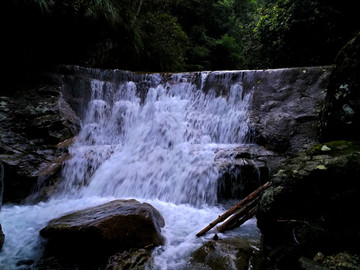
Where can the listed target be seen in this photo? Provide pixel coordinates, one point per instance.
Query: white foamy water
(159, 149)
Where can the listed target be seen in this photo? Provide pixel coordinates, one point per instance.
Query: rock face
(310, 204)
(33, 121)
(286, 106)
(340, 115)
(104, 229)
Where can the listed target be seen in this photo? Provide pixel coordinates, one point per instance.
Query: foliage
(164, 43)
(303, 32)
(175, 35)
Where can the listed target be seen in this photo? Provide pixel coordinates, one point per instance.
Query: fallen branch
(229, 212)
(234, 221)
(239, 222)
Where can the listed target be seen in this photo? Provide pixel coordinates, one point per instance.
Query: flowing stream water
(159, 147)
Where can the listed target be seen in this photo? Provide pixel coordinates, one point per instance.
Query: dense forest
(175, 35)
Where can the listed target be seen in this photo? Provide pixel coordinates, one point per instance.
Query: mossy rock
(231, 253)
(310, 203)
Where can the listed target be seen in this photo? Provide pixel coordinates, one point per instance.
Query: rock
(286, 105)
(341, 112)
(33, 121)
(1, 183)
(342, 260)
(242, 169)
(2, 236)
(232, 253)
(105, 229)
(134, 259)
(51, 263)
(310, 203)
(308, 264)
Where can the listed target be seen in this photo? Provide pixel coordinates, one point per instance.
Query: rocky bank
(310, 207)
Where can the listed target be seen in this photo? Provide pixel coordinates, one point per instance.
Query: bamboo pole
(233, 209)
(234, 219)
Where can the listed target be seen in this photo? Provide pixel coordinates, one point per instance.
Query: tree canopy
(175, 35)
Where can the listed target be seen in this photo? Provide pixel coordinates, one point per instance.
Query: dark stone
(286, 106)
(25, 262)
(51, 263)
(134, 259)
(310, 203)
(2, 238)
(341, 112)
(33, 122)
(243, 169)
(102, 230)
(232, 253)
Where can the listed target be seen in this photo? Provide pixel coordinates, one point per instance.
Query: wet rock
(286, 105)
(101, 230)
(243, 169)
(310, 203)
(2, 238)
(134, 259)
(230, 254)
(33, 121)
(51, 263)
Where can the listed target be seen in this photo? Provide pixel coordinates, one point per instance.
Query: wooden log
(229, 212)
(236, 223)
(240, 213)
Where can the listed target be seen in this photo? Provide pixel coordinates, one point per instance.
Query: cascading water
(161, 148)
(158, 146)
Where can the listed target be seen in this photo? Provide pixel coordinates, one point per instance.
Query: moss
(342, 261)
(335, 148)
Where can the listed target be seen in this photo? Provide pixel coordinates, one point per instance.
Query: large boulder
(311, 203)
(341, 112)
(104, 229)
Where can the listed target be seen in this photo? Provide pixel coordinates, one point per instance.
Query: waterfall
(155, 142)
(158, 147)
